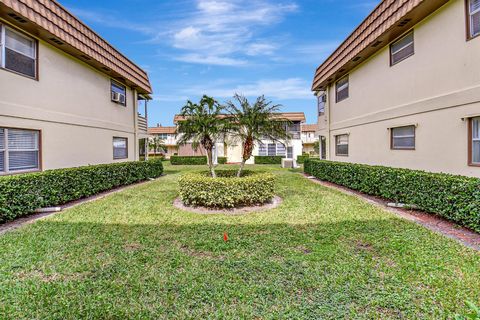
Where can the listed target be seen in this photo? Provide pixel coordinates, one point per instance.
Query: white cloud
(282, 89)
(222, 32)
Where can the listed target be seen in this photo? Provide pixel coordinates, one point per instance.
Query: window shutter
(2, 150)
(22, 149)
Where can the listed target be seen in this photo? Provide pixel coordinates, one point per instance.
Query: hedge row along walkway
(430, 221)
(321, 254)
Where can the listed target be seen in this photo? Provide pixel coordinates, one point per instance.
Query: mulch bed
(276, 201)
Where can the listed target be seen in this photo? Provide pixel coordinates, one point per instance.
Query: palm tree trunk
(210, 163)
(246, 154)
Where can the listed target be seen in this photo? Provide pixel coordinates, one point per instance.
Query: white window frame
(6, 153)
(392, 138)
(345, 86)
(410, 44)
(472, 141)
(338, 144)
(470, 18)
(113, 148)
(3, 43)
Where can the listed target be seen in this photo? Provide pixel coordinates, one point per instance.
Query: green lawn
(321, 254)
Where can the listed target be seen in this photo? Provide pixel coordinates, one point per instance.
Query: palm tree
(252, 123)
(156, 143)
(202, 125)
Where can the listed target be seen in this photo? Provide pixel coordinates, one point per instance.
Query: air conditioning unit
(118, 97)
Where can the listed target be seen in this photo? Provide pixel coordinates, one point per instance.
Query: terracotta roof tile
(157, 130)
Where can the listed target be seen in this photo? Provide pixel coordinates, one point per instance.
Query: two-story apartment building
(232, 149)
(309, 138)
(403, 90)
(67, 97)
(168, 137)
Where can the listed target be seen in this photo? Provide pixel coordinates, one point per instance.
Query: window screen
(120, 148)
(403, 138)
(321, 100)
(341, 145)
(342, 89)
(19, 150)
(476, 140)
(402, 49)
(474, 16)
(19, 53)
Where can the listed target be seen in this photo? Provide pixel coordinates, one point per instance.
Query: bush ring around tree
(198, 189)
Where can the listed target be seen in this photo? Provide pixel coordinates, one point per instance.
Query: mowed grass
(320, 255)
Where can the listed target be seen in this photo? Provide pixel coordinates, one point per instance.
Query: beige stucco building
(403, 90)
(67, 97)
(232, 149)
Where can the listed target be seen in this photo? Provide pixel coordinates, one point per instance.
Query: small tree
(202, 125)
(252, 123)
(316, 147)
(156, 143)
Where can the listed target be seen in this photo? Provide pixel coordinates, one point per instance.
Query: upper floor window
(19, 150)
(473, 18)
(119, 93)
(403, 138)
(120, 148)
(341, 89)
(402, 49)
(321, 100)
(474, 141)
(18, 52)
(341, 145)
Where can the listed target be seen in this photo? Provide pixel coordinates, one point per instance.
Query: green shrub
(222, 160)
(456, 198)
(301, 159)
(22, 194)
(268, 159)
(226, 191)
(188, 160)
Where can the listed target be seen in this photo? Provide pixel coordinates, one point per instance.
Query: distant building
(403, 90)
(308, 138)
(168, 136)
(233, 151)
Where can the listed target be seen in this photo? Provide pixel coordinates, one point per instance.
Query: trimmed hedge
(226, 191)
(188, 160)
(456, 198)
(268, 159)
(194, 160)
(22, 194)
(301, 159)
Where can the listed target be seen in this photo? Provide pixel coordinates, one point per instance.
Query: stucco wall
(434, 89)
(70, 104)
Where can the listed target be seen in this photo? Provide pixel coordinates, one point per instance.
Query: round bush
(227, 190)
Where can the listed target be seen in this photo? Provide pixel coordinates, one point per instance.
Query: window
(473, 19)
(342, 89)
(281, 149)
(403, 138)
(272, 149)
(19, 150)
(18, 53)
(290, 152)
(119, 93)
(120, 148)
(262, 149)
(402, 49)
(341, 145)
(474, 142)
(163, 136)
(321, 100)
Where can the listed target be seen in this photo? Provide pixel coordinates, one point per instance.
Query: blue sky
(219, 47)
